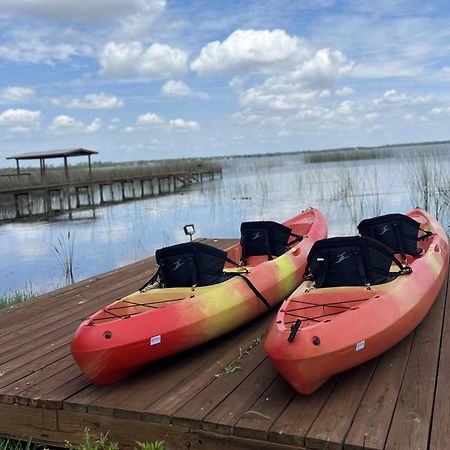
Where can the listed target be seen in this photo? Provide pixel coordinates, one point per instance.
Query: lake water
(256, 188)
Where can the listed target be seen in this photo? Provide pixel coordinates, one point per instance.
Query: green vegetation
(235, 364)
(102, 442)
(15, 297)
(10, 444)
(89, 442)
(64, 253)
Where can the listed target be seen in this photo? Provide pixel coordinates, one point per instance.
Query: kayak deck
(399, 400)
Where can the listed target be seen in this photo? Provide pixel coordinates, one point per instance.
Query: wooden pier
(400, 400)
(46, 200)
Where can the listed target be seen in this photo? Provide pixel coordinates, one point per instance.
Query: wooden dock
(46, 200)
(400, 400)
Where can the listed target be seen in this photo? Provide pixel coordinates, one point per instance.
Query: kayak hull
(171, 320)
(357, 324)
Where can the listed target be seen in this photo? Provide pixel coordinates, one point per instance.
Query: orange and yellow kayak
(341, 327)
(152, 324)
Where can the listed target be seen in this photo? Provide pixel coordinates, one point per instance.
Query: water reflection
(270, 188)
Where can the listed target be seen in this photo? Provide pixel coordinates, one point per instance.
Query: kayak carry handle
(294, 329)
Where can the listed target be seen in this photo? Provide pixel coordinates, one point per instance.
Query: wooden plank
(55, 398)
(124, 431)
(33, 362)
(52, 297)
(84, 299)
(223, 417)
(371, 425)
(333, 422)
(130, 398)
(202, 440)
(17, 392)
(440, 429)
(412, 417)
(296, 420)
(22, 421)
(189, 401)
(255, 423)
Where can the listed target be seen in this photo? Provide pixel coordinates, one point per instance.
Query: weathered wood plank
(371, 425)
(194, 398)
(296, 420)
(202, 440)
(412, 417)
(256, 422)
(333, 422)
(223, 417)
(440, 429)
(125, 432)
(22, 421)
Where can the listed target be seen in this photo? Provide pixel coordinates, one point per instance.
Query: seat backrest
(264, 238)
(397, 231)
(189, 264)
(349, 261)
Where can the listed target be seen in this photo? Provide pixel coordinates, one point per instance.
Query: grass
(64, 252)
(235, 364)
(89, 442)
(17, 296)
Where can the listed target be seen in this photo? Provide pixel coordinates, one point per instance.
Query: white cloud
(250, 51)
(64, 124)
(393, 97)
(184, 125)
(179, 89)
(344, 91)
(149, 119)
(309, 81)
(160, 124)
(140, 22)
(92, 10)
(174, 88)
(16, 94)
(94, 126)
(90, 101)
(38, 49)
(130, 59)
(20, 120)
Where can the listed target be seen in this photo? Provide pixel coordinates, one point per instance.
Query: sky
(156, 79)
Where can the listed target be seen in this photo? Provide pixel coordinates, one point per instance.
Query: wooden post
(66, 169)
(90, 168)
(18, 167)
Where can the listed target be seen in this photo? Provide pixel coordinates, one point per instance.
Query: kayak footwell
(223, 394)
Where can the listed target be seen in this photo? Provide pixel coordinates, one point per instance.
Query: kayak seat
(265, 238)
(397, 231)
(189, 264)
(351, 261)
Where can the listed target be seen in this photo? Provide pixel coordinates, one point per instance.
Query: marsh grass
(64, 253)
(17, 296)
(427, 177)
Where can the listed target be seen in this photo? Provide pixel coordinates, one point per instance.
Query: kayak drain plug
(294, 329)
(107, 335)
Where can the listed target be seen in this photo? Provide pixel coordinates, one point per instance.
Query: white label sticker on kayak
(360, 345)
(155, 340)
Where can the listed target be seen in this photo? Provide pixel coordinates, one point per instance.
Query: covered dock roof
(42, 156)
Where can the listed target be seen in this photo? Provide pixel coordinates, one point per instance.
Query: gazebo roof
(54, 154)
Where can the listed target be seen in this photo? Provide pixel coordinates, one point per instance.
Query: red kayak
(366, 294)
(197, 295)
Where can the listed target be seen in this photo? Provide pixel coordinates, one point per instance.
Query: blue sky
(151, 79)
